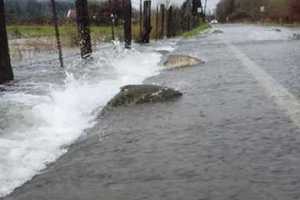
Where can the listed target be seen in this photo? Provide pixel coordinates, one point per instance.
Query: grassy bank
(196, 30)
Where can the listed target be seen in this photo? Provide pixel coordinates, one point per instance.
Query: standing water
(47, 109)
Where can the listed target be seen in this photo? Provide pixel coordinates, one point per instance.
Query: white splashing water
(38, 128)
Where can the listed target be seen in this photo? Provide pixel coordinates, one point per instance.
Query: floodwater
(48, 108)
(233, 135)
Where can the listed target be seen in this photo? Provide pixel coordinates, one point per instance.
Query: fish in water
(178, 61)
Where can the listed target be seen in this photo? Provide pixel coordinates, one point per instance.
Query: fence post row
(82, 18)
(127, 8)
(162, 26)
(147, 21)
(6, 73)
(55, 22)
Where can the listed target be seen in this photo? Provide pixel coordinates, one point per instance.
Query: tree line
(286, 11)
(33, 11)
(39, 12)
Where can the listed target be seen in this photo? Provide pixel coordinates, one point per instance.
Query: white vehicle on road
(214, 21)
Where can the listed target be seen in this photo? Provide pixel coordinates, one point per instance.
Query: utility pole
(127, 10)
(83, 24)
(58, 43)
(162, 28)
(6, 73)
(147, 21)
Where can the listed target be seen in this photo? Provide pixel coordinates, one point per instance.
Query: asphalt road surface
(234, 135)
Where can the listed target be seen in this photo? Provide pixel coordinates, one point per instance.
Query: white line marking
(282, 97)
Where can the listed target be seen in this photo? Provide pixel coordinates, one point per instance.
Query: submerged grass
(199, 29)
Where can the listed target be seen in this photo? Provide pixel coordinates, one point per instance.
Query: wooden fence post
(147, 21)
(196, 6)
(113, 21)
(162, 27)
(204, 10)
(189, 22)
(157, 24)
(58, 43)
(127, 10)
(170, 22)
(6, 73)
(112, 17)
(141, 20)
(82, 17)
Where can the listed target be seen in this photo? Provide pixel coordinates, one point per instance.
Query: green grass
(196, 31)
(69, 35)
(29, 31)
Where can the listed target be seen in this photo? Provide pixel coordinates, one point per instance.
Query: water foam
(40, 127)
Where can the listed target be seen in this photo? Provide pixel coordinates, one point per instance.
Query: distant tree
(100, 12)
(275, 10)
(278, 10)
(33, 11)
(294, 9)
(224, 9)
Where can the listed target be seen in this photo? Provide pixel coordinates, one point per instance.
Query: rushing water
(48, 108)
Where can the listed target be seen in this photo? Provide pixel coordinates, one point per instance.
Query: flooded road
(233, 135)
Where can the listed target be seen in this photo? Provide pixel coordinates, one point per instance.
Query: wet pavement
(230, 137)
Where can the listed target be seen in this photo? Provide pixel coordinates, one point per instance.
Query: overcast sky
(211, 4)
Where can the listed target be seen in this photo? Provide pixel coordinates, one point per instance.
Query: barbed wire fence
(43, 31)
